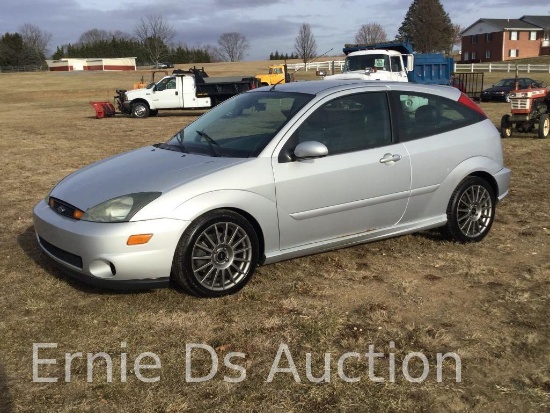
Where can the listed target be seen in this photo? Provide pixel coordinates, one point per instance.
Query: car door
(166, 94)
(362, 185)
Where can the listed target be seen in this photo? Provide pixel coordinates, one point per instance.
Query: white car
(276, 173)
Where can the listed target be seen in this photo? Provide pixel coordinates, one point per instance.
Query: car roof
(326, 87)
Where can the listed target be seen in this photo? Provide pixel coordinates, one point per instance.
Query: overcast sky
(269, 25)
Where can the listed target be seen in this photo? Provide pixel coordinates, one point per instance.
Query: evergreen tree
(427, 26)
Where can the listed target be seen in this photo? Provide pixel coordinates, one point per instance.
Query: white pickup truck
(191, 89)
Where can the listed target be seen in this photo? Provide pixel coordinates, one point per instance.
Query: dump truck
(277, 74)
(183, 89)
(191, 89)
(394, 61)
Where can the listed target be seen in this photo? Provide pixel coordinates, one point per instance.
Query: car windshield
(242, 126)
(505, 82)
(361, 62)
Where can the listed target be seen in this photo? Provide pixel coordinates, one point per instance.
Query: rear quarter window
(421, 115)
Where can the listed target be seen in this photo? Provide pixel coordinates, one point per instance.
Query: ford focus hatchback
(277, 173)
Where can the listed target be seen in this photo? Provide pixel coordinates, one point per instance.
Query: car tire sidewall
(452, 228)
(182, 271)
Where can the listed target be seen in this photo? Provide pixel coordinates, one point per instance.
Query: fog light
(139, 239)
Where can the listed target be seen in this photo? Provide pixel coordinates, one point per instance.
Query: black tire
(544, 126)
(471, 211)
(140, 110)
(216, 255)
(505, 127)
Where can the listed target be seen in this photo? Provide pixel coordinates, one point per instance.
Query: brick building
(495, 40)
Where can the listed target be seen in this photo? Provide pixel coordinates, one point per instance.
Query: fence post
(528, 68)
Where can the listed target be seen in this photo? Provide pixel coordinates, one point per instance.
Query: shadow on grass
(28, 243)
(6, 402)
(431, 234)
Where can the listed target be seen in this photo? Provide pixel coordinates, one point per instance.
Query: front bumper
(493, 96)
(97, 253)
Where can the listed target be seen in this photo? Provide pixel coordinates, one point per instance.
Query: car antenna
(311, 61)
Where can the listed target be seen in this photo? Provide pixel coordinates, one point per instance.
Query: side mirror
(310, 149)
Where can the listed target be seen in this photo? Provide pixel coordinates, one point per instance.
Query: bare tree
(305, 44)
(456, 37)
(155, 34)
(99, 35)
(35, 38)
(232, 47)
(93, 36)
(371, 33)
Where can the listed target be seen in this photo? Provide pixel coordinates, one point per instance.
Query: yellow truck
(277, 74)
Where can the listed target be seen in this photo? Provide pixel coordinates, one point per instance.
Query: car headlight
(119, 209)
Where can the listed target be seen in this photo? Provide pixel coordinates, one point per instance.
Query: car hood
(148, 169)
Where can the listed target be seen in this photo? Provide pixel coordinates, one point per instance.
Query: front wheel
(544, 126)
(505, 127)
(216, 255)
(140, 110)
(471, 210)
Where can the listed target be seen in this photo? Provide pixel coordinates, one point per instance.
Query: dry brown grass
(487, 302)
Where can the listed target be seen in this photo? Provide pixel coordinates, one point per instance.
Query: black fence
(29, 68)
(469, 83)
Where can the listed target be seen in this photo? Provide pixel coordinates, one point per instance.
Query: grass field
(487, 303)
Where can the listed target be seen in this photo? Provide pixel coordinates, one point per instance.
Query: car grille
(520, 103)
(74, 260)
(62, 208)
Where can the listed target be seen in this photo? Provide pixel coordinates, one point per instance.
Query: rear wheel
(471, 210)
(216, 255)
(140, 110)
(505, 127)
(544, 126)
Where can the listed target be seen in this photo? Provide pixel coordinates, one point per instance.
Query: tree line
(426, 26)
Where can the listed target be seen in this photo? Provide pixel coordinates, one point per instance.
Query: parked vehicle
(163, 65)
(191, 89)
(500, 91)
(277, 74)
(530, 109)
(394, 61)
(277, 173)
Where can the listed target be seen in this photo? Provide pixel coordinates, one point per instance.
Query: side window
(347, 124)
(396, 64)
(422, 115)
(171, 84)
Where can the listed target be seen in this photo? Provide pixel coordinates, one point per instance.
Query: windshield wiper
(170, 147)
(179, 138)
(211, 142)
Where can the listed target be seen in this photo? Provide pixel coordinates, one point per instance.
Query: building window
(466, 56)
(547, 35)
(487, 54)
(514, 35)
(489, 37)
(513, 53)
(474, 39)
(533, 36)
(474, 55)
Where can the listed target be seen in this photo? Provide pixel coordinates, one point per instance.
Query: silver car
(277, 173)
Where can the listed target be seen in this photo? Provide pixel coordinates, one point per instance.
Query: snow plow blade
(103, 109)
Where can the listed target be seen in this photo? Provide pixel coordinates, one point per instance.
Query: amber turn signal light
(139, 239)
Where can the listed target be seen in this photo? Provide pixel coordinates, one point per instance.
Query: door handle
(390, 159)
(176, 93)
